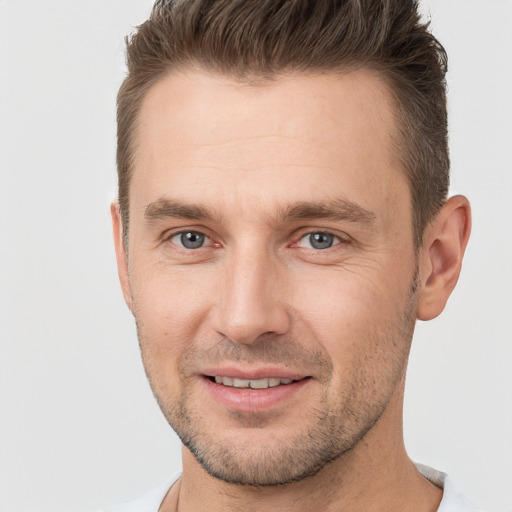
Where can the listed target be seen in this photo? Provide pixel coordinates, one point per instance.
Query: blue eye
(318, 240)
(190, 239)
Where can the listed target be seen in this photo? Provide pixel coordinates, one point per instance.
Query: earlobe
(441, 256)
(121, 257)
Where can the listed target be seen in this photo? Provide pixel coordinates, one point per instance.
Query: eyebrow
(165, 208)
(337, 210)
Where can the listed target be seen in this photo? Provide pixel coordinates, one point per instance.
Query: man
(282, 222)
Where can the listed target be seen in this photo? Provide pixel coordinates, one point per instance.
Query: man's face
(271, 267)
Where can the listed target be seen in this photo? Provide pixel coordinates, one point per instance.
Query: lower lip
(254, 400)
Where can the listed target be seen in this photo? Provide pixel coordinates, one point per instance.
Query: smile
(254, 391)
(252, 383)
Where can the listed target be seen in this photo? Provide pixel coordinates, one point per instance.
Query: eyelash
(169, 238)
(336, 240)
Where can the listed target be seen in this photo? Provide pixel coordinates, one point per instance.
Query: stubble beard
(328, 431)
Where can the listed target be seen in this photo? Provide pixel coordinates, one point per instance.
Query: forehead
(211, 136)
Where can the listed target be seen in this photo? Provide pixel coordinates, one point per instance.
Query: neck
(375, 475)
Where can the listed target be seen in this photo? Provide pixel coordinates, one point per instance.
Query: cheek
(342, 299)
(170, 308)
(353, 314)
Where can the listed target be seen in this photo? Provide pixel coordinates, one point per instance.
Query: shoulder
(149, 502)
(453, 500)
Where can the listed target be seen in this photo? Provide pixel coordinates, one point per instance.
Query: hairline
(400, 143)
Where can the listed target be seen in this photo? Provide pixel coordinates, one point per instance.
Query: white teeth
(259, 384)
(272, 383)
(254, 384)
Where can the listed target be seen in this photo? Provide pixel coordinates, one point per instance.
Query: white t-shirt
(453, 500)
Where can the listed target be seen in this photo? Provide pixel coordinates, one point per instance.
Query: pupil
(192, 240)
(321, 240)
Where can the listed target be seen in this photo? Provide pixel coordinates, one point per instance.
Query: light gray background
(79, 428)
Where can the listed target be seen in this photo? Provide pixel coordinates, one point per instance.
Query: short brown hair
(263, 39)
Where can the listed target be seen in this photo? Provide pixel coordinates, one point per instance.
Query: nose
(252, 299)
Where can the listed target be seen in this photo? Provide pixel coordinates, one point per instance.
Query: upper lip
(253, 373)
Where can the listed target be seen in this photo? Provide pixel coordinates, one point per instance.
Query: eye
(318, 240)
(190, 239)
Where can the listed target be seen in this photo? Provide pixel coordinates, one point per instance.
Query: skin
(248, 167)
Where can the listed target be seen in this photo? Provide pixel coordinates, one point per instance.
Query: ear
(444, 243)
(121, 256)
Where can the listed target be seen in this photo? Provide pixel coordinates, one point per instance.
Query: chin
(262, 456)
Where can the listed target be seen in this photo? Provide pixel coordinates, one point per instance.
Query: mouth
(270, 382)
(246, 391)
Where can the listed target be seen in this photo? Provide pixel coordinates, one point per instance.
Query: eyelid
(341, 236)
(168, 235)
(336, 240)
(207, 240)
